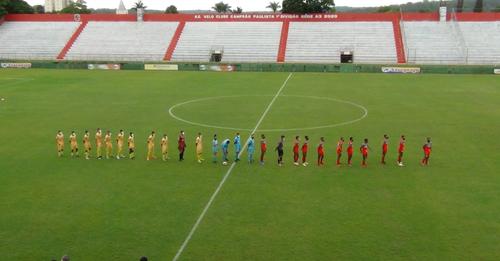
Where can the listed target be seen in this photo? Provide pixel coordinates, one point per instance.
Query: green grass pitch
(121, 210)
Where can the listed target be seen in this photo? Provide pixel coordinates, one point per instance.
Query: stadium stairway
(398, 37)
(285, 29)
(72, 40)
(175, 40)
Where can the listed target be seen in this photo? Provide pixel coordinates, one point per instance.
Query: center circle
(363, 112)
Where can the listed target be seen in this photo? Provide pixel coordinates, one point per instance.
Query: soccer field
(124, 209)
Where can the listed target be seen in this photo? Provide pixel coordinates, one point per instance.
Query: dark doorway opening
(346, 57)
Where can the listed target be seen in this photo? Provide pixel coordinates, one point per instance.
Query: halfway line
(214, 195)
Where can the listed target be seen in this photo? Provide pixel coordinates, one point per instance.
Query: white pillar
(140, 14)
(442, 13)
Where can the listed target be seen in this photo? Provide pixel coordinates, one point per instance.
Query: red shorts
(427, 153)
(384, 148)
(263, 148)
(350, 152)
(339, 152)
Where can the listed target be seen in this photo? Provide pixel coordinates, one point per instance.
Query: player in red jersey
(340, 145)
(385, 145)
(263, 148)
(321, 151)
(304, 151)
(364, 151)
(401, 150)
(296, 151)
(350, 151)
(427, 152)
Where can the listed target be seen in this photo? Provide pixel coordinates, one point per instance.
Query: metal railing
(417, 56)
(457, 32)
(403, 34)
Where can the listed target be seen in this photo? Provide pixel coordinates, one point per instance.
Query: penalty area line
(228, 173)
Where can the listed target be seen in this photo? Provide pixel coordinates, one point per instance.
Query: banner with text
(218, 68)
(400, 69)
(496, 71)
(111, 66)
(264, 16)
(16, 65)
(161, 67)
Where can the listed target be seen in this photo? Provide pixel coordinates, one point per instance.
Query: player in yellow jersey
(131, 146)
(109, 145)
(86, 144)
(164, 147)
(60, 143)
(119, 144)
(151, 146)
(98, 143)
(199, 148)
(73, 144)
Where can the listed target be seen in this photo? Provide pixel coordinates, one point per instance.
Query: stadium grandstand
(389, 38)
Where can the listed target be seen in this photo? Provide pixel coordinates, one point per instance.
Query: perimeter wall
(259, 67)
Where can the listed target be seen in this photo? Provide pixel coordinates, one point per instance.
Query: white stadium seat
(482, 40)
(123, 41)
(432, 43)
(322, 42)
(34, 40)
(426, 42)
(240, 41)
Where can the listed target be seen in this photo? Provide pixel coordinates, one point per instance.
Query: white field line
(214, 195)
(364, 109)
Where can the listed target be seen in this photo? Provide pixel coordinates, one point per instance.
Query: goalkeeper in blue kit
(225, 151)
(251, 148)
(237, 147)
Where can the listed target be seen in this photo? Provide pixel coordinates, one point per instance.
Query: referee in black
(279, 149)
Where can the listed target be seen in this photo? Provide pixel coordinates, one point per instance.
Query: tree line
(285, 6)
(427, 6)
(22, 7)
(80, 7)
(328, 6)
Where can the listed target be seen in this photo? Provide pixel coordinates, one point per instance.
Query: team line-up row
(299, 146)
